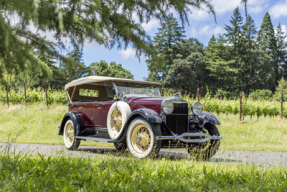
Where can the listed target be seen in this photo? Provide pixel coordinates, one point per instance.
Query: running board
(95, 139)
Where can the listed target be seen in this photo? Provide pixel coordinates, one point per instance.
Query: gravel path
(262, 158)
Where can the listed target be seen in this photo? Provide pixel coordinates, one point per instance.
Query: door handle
(80, 107)
(99, 107)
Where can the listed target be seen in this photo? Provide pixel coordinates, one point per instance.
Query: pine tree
(234, 31)
(110, 23)
(267, 42)
(281, 51)
(166, 40)
(248, 45)
(234, 37)
(74, 67)
(219, 62)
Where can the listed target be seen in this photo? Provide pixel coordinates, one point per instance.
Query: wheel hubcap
(141, 139)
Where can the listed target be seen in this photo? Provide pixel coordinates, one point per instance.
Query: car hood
(153, 103)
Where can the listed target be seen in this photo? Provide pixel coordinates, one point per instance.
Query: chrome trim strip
(181, 137)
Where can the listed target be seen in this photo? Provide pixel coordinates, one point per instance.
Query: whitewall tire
(69, 136)
(141, 138)
(117, 117)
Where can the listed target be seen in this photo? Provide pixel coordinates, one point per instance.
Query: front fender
(210, 118)
(77, 120)
(148, 114)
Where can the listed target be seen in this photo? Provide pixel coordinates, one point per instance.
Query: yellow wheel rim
(69, 134)
(141, 138)
(116, 121)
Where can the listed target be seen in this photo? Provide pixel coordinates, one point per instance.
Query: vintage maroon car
(132, 114)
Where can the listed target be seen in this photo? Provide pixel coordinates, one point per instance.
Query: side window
(88, 92)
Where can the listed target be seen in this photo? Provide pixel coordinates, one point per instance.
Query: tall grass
(24, 172)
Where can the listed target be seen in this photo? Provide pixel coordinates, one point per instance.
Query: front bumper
(189, 137)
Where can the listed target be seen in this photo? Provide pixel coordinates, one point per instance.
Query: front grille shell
(177, 122)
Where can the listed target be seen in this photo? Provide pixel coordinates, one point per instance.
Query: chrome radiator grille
(178, 120)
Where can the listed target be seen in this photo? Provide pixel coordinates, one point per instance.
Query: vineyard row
(249, 108)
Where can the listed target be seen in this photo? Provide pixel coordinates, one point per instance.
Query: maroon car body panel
(94, 114)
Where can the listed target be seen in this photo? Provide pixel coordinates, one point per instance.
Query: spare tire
(117, 117)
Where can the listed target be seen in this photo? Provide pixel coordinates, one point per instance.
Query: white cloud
(284, 28)
(279, 9)
(153, 23)
(223, 6)
(207, 30)
(127, 53)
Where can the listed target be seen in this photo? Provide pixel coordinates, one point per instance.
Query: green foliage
(186, 74)
(261, 94)
(169, 35)
(102, 68)
(281, 50)
(267, 42)
(65, 173)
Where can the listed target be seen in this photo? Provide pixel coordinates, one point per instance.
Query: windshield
(148, 91)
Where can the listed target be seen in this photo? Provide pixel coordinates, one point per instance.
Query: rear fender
(77, 120)
(148, 114)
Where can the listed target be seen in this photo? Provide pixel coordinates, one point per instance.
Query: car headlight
(196, 108)
(167, 107)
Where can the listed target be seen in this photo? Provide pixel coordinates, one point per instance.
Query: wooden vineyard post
(198, 94)
(185, 94)
(162, 91)
(24, 85)
(240, 106)
(46, 94)
(7, 96)
(220, 97)
(282, 100)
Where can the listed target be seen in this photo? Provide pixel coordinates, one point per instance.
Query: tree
(234, 32)
(169, 35)
(112, 23)
(189, 69)
(73, 68)
(249, 33)
(267, 42)
(187, 74)
(281, 50)
(219, 63)
(102, 68)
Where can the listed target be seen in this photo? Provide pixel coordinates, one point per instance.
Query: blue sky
(201, 26)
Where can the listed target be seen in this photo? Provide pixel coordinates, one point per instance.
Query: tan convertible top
(100, 80)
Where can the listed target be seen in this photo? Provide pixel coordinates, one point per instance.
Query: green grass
(35, 124)
(20, 172)
(38, 124)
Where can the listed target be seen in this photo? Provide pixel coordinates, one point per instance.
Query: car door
(105, 106)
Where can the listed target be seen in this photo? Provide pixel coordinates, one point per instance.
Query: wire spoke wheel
(116, 121)
(69, 136)
(141, 139)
